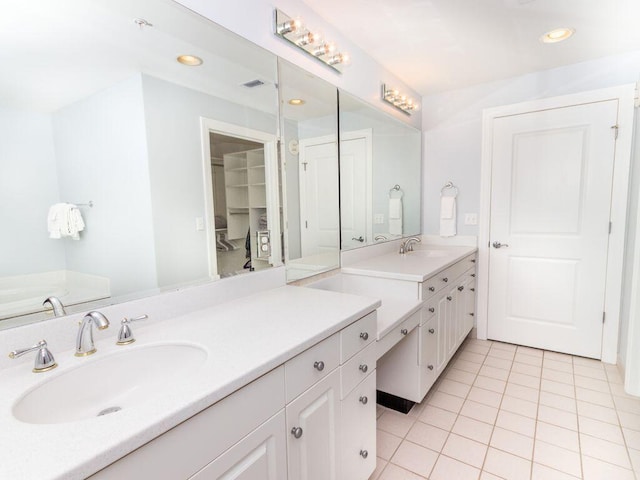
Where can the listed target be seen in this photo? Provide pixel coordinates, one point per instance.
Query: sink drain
(109, 410)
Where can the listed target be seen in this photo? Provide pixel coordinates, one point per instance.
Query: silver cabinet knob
(460, 288)
(432, 331)
(364, 336)
(432, 289)
(472, 289)
(363, 400)
(430, 367)
(404, 331)
(364, 453)
(363, 368)
(499, 245)
(449, 298)
(472, 314)
(296, 432)
(473, 260)
(432, 309)
(445, 279)
(473, 275)
(319, 366)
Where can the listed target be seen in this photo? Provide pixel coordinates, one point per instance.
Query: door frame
(208, 126)
(367, 134)
(624, 94)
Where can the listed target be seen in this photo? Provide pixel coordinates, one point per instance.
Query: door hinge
(603, 316)
(615, 128)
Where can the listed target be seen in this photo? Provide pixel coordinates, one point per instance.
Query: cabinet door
(428, 354)
(452, 298)
(313, 431)
(442, 313)
(261, 455)
(359, 431)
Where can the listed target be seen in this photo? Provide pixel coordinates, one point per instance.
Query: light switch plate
(470, 218)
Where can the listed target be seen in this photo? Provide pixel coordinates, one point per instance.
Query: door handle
(500, 245)
(359, 239)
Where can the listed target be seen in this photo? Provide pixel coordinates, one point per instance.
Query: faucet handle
(44, 359)
(125, 335)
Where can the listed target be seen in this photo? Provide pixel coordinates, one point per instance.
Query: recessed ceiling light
(190, 60)
(296, 102)
(557, 35)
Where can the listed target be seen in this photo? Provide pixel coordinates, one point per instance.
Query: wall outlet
(199, 224)
(378, 218)
(470, 218)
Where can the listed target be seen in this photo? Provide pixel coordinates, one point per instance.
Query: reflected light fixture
(399, 100)
(557, 35)
(189, 60)
(295, 32)
(296, 102)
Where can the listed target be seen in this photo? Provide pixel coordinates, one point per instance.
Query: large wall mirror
(172, 166)
(380, 172)
(309, 126)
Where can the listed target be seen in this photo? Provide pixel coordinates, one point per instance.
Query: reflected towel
(395, 216)
(65, 220)
(448, 216)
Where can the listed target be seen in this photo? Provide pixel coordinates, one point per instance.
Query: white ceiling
(438, 45)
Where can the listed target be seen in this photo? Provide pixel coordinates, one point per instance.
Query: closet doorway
(555, 182)
(242, 214)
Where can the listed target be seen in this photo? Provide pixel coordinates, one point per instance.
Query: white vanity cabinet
(446, 318)
(311, 418)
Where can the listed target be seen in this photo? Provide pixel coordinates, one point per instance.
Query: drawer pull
(472, 314)
(460, 288)
(449, 298)
(432, 331)
(319, 366)
(432, 289)
(472, 289)
(430, 367)
(432, 309)
(296, 432)
(445, 279)
(363, 400)
(404, 331)
(364, 453)
(473, 260)
(364, 336)
(363, 368)
(473, 275)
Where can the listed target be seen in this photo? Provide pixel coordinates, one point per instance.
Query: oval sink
(107, 385)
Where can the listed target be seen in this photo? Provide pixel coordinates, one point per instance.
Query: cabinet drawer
(357, 336)
(356, 369)
(311, 366)
(359, 431)
(387, 342)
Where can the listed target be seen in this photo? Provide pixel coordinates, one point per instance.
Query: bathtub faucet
(56, 304)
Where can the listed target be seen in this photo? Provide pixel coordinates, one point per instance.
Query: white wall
(172, 116)
(452, 122)
(28, 187)
(101, 156)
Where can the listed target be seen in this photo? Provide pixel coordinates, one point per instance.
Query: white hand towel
(395, 216)
(64, 220)
(448, 216)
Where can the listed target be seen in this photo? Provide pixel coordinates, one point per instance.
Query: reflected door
(319, 214)
(550, 204)
(355, 188)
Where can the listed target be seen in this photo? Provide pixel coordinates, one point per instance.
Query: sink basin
(109, 384)
(431, 253)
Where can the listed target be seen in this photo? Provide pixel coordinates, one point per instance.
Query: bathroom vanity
(279, 384)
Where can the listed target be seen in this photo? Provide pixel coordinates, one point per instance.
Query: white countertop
(413, 266)
(244, 339)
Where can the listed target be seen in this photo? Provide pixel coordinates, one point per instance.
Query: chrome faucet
(84, 340)
(44, 359)
(56, 305)
(125, 335)
(407, 245)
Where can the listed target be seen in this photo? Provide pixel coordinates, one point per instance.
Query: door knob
(497, 244)
(296, 432)
(359, 239)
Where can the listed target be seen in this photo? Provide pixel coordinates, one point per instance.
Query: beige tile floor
(505, 412)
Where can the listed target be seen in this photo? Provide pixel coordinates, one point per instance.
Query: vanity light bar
(399, 100)
(295, 32)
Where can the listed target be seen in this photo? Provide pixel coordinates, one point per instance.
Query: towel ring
(448, 186)
(395, 188)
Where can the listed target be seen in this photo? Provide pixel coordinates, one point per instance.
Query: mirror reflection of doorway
(242, 235)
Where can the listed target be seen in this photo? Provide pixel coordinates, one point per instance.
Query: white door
(355, 188)
(551, 190)
(312, 426)
(319, 217)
